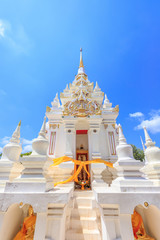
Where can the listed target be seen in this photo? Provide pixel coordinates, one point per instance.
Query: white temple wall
(40, 228)
(12, 220)
(1, 218)
(55, 227)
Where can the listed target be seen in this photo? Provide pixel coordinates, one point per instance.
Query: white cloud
(2, 28)
(27, 148)
(1, 149)
(26, 144)
(4, 140)
(153, 123)
(14, 37)
(136, 114)
(26, 141)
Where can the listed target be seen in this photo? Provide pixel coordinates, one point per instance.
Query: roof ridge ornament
(55, 103)
(97, 88)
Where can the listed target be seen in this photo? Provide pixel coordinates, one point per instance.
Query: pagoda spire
(81, 59)
(149, 142)
(122, 139)
(81, 65)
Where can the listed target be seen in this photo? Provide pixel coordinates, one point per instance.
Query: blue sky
(39, 55)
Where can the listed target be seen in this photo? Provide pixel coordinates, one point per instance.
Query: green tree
(138, 153)
(26, 154)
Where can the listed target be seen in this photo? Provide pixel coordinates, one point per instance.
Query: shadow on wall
(18, 217)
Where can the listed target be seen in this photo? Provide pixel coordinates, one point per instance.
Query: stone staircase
(84, 219)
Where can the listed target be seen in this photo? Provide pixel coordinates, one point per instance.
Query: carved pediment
(81, 108)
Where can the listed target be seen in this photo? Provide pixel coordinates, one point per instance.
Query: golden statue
(138, 227)
(27, 230)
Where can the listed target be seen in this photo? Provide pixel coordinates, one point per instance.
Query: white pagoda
(42, 201)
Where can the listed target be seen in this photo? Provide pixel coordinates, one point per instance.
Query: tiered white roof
(81, 99)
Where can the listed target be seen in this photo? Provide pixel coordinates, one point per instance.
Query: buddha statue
(138, 227)
(27, 230)
(81, 147)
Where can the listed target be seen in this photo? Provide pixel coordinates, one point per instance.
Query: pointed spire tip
(81, 60)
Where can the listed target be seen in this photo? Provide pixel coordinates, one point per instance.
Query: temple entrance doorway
(83, 180)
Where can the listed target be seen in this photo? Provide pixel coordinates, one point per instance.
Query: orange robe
(138, 227)
(27, 231)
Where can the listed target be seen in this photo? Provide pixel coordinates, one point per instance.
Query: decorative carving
(53, 126)
(105, 126)
(48, 109)
(116, 109)
(81, 107)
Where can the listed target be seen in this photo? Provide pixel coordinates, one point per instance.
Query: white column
(111, 141)
(56, 222)
(53, 132)
(94, 138)
(40, 228)
(70, 139)
(110, 222)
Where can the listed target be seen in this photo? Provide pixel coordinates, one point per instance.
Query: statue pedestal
(33, 169)
(130, 178)
(58, 174)
(101, 177)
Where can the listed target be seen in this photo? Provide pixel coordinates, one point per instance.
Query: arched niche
(13, 220)
(151, 218)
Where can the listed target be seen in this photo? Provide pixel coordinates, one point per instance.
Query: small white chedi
(40, 144)
(13, 149)
(81, 125)
(152, 154)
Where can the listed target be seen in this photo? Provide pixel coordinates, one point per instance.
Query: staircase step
(83, 212)
(83, 194)
(83, 202)
(86, 235)
(86, 224)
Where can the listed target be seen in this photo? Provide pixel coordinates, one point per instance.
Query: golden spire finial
(19, 124)
(81, 60)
